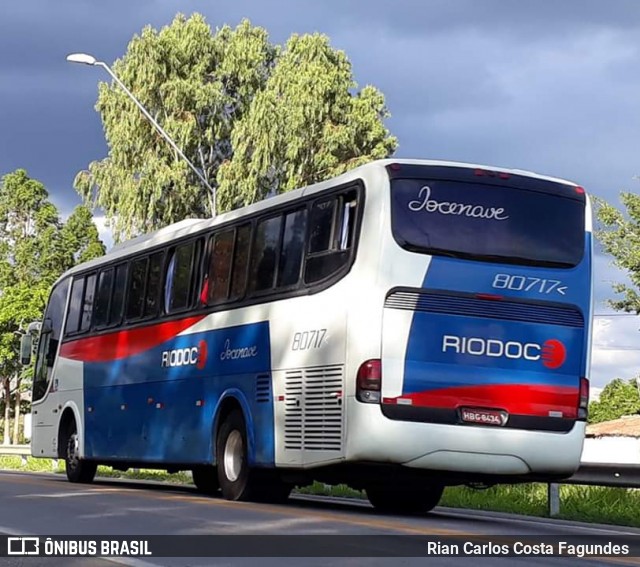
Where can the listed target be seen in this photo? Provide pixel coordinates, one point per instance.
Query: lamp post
(90, 60)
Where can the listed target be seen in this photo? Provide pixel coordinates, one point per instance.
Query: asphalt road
(46, 504)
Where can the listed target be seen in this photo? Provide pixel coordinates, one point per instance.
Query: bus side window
(87, 303)
(136, 288)
(293, 241)
(154, 282)
(240, 262)
(220, 266)
(264, 254)
(103, 297)
(116, 308)
(180, 282)
(332, 233)
(75, 306)
(321, 225)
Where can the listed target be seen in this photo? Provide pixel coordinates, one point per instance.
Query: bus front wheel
(237, 480)
(405, 499)
(77, 469)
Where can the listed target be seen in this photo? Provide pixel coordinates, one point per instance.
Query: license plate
(484, 416)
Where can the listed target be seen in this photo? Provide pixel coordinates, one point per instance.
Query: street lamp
(86, 59)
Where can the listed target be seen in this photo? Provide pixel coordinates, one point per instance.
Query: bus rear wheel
(205, 478)
(404, 499)
(237, 480)
(77, 469)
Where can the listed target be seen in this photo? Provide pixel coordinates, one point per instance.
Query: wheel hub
(233, 456)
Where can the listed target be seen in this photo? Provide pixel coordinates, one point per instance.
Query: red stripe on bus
(122, 344)
(522, 399)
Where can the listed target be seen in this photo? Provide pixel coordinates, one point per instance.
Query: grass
(618, 506)
(46, 465)
(598, 504)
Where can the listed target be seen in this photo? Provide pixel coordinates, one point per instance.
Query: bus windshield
(488, 222)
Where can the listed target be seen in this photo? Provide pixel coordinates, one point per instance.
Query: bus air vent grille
(263, 388)
(470, 306)
(314, 409)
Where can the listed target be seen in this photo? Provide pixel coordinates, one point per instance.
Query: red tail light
(489, 296)
(369, 381)
(583, 405)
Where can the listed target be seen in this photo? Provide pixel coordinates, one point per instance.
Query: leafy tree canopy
(255, 118)
(620, 237)
(35, 248)
(619, 398)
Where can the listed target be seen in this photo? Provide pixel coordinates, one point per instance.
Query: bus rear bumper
(475, 449)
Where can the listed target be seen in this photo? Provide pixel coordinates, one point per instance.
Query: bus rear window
(487, 222)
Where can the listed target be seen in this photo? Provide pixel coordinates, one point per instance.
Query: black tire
(237, 480)
(205, 478)
(404, 499)
(78, 470)
(231, 457)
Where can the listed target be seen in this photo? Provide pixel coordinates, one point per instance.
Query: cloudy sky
(549, 86)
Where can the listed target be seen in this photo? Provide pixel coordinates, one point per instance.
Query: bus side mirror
(35, 327)
(26, 344)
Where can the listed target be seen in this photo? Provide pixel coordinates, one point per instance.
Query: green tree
(35, 248)
(255, 119)
(620, 237)
(195, 84)
(619, 397)
(305, 126)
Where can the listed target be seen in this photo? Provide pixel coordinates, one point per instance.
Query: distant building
(615, 441)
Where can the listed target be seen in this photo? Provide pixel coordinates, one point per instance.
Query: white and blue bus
(403, 327)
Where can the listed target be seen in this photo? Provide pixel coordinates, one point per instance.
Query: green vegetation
(619, 235)
(618, 506)
(255, 118)
(339, 490)
(619, 397)
(46, 465)
(35, 248)
(581, 503)
(33, 465)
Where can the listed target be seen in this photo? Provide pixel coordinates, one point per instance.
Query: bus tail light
(583, 406)
(368, 381)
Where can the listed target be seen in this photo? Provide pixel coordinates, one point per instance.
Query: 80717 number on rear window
(527, 283)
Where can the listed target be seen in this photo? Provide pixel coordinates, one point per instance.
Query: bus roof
(189, 226)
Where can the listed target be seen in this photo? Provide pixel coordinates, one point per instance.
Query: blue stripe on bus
(160, 405)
